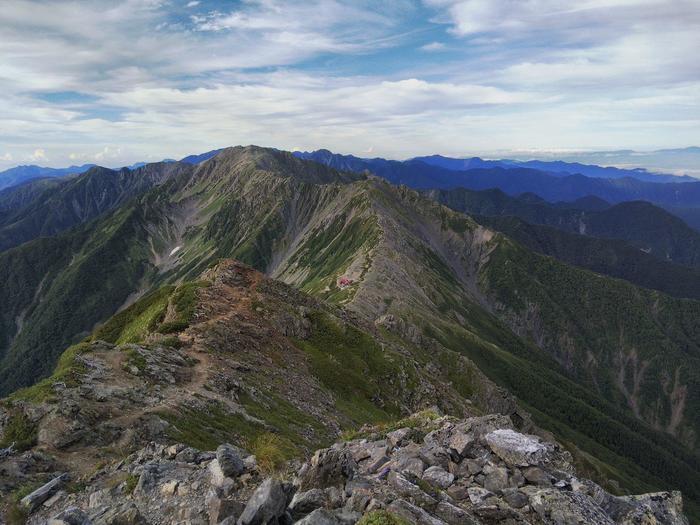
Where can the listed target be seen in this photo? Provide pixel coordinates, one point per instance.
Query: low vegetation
(381, 517)
(19, 431)
(271, 452)
(354, 367)
(68, 371)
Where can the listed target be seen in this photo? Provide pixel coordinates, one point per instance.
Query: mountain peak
(251, 158)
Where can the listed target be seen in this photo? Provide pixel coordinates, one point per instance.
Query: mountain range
(554, 167)
(460, 298)
(516, 180)
(28, 173)
(20, 174)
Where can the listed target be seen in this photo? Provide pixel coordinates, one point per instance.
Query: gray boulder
(319, 517)
(266, 506)
(478, 495)
(555, 506)
(304, 503)
(230, 461)
(125, 514)
(454, 515)
(659, 507)
(517, 449)
(438, 476)
(413, 513)
(70, 516)
(496, 478)
(220, 508)
(328, 468)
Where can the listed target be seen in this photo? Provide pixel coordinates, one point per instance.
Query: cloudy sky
(119, 81)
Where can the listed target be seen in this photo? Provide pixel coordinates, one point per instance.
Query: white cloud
(193, 3)
(525, 73)
(433, 46)
(38, 155)
(108, 153)
(6, 157)
(469, 17)
(601, 42)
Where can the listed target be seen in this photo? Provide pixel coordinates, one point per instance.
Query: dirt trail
(224, 304)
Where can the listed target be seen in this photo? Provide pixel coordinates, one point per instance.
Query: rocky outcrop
(426, 470)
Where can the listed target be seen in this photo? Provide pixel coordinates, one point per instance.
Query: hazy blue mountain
(197, 158)
(556, 167)
(685, 161)
(20, 174)
(460, 164)
(517, 180)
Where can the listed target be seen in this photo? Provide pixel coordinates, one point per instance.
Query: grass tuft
(20, 431)
(382, 517)
(271, 452)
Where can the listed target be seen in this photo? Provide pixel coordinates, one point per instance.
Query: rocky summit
(425, 469)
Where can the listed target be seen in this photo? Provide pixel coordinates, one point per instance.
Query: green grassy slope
(89, 274)
(606, 256)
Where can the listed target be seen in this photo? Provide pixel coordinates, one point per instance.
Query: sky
(120, 81)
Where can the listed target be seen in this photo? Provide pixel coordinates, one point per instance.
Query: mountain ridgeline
(611, 368)
(24, 174)
(647, 227)
(515, 179)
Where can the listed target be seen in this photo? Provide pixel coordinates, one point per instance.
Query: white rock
(216, 475)
(517, 449)
(169, 488)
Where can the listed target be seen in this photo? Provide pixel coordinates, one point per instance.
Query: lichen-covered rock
(319, 517)
(655, 508)
(518, 449)
(328, 467)
(229, 460)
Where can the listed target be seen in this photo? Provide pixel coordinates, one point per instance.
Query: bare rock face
(441, 471)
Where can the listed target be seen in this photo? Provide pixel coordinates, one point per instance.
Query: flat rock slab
(517, 449)
(40, 495)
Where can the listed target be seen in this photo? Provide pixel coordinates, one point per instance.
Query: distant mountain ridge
(556, 167)
(46, 207)
(201, 157)
(645, 226)
(20, 174)
(517, 180)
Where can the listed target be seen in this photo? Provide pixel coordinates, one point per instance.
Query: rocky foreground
(426, 469)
